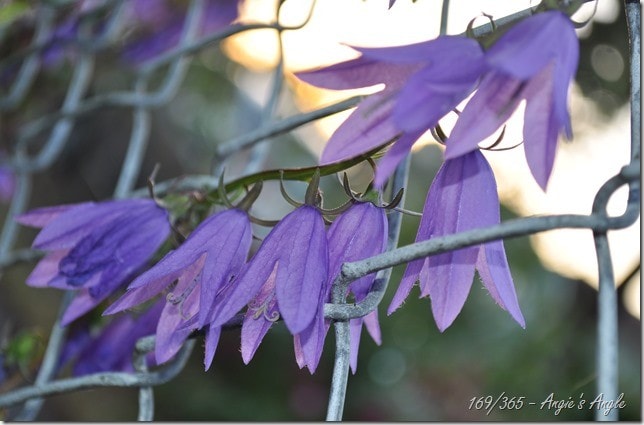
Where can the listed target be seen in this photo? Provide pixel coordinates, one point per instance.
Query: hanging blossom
(94, 248)
(294, 258)
(295, 254)
(358, 233)
(423, 82)
(112, 348)
(202, 267)
(534, 61)
(463, 196)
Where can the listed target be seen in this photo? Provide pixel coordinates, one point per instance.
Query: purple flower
(113, 347)
(94, 248)
(462, 197)
(165, 24)
(202, 267)
(423, 82)
(359, 233)
(61, 44)
(295, 254)
(7, 183)
(535, 60)
(262, 312)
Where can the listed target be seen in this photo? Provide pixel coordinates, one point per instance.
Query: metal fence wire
(36, 139)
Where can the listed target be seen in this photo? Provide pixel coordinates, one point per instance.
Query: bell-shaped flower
(535, 61)
(94, 248)
(111, 349)
(201, 267)
(295, 254)
(423, 82)
(358, 233)
(463, 196)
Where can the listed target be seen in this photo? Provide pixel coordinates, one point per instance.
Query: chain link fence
(77, 45)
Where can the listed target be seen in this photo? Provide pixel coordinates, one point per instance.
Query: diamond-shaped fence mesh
(96, 93)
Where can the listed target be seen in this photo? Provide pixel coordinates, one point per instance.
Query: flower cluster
(95, 249)
(535, 61)
(208, 281)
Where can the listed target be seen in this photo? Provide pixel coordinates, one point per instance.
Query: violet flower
(202, 266)
(262, 312)
(358, 233)
(94, 248)
(63, 42)
(112, 348)
(295, 254)
(535, 60)
(7, 183)
(165, 24)
(423, 82)
(462, 197)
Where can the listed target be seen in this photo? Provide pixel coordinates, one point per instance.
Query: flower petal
(396, 153)
(212, 340)
(436, 89)
(45, 270)
(540, 128)
(297, 246)
(358, 233)
(494, 102)
(358, 73)
(259, 318)
(452, 274)
(70, 226)
(432, 51)
(309, 343)
(355, 331)
(41, 217)
(179, 309)
(227, 253)
(154, 284)
(494, 270)
(527, 47)
(301, 276)
(367, 128)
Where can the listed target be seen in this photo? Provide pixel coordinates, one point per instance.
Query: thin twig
(105, 379)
